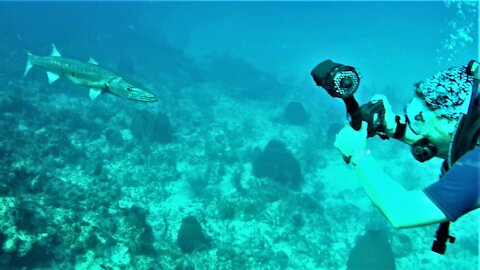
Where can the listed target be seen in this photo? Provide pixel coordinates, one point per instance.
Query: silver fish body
(88, 74)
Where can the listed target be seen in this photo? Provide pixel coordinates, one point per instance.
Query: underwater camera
(342, 81)
(339, 80)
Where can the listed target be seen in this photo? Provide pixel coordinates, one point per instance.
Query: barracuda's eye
(130, 88)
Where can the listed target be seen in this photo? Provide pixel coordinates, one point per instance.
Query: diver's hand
(352, 143)
(390, 123)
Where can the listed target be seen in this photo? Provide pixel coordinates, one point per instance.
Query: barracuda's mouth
(141, 95)
(146, 98)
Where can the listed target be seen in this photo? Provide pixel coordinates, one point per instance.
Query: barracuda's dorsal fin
(55, 51)
(92, 61)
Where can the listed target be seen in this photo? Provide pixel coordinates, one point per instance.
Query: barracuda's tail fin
(29, 65)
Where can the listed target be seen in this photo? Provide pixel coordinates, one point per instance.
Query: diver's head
(434, 112)
(431, 134)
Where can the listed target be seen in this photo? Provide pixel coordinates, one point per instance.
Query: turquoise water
(234, 166)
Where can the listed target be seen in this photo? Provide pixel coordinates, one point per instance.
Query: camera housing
(339, 80)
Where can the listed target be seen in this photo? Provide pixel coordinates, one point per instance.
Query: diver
(442, 120)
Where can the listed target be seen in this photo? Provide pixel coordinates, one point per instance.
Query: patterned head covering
(447, 93)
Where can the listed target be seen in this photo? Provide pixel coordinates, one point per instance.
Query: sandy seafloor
(80, 191)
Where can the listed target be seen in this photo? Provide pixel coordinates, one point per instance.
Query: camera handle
(352, 109)
(373, 113)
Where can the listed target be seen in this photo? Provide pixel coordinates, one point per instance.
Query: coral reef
(82, 193)
(295, 114)
(191, 236)
(226, 209)
(149, 127)
(278, 164)
(372, 251)
(139, 232)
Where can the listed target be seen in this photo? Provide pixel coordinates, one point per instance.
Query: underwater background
(234, 167)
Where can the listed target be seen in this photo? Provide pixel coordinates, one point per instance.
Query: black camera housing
(339, 80)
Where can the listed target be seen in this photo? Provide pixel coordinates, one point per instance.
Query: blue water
(223, 73)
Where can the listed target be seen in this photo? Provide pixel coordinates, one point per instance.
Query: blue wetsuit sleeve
(458, 191)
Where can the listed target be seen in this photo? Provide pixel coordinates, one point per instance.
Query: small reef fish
(89, 75)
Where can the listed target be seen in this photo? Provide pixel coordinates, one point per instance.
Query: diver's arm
(401, 207)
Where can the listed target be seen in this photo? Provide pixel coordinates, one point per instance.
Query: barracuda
(88, 74)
